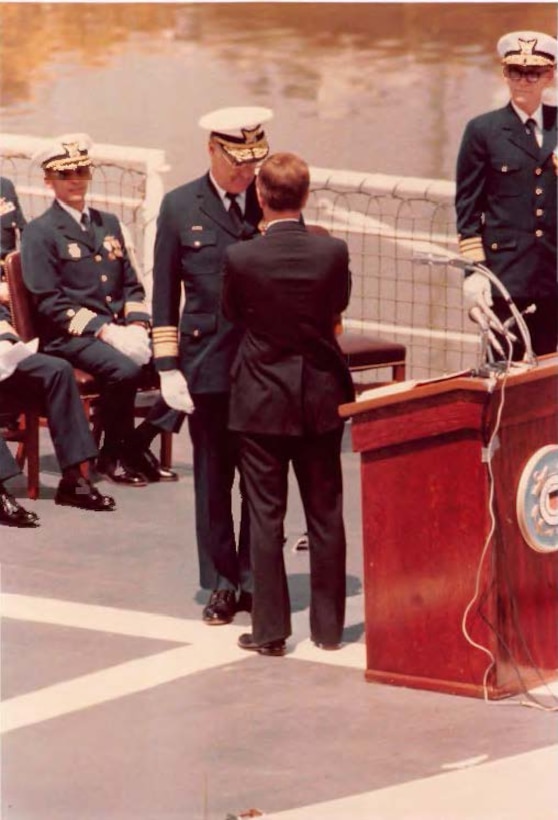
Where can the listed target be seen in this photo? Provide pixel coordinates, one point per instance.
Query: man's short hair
(283, 182)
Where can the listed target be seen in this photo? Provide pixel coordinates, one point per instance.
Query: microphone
(492, 319)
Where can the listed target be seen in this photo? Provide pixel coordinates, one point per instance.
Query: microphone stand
(487, 363)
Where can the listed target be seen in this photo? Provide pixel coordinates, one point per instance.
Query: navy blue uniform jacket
(506, 201)
(193, 231)
(11, 217)
(79, 283)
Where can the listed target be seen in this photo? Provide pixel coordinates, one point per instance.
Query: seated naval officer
(49, 383)
(91, 307)
(506, 194)
(12, 220)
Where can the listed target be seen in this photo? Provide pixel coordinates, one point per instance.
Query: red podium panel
(456, 600)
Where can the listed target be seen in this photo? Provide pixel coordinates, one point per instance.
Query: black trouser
(542, 324)
(222, 565)
(316, 460)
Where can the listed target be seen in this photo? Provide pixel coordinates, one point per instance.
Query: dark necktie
(531, 129)
(235, 213)
(86, 222)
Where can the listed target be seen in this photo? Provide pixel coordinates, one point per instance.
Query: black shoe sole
(64, 503)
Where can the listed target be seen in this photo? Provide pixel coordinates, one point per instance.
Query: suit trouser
(50, 383)
(316, 460)
(215, 459)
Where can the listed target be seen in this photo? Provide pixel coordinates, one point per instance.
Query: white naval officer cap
(528, 48)
(239, 131)
(67, 152)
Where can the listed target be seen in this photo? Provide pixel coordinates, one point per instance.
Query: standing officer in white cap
(91, 306)
(506, 192)
(194, 351)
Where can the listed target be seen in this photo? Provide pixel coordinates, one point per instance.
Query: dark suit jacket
(11, 217)
(79, 283)
(506, 200)
(285, 290)
(193, 231)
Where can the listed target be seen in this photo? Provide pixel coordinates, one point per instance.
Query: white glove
(476, 291)
(131, 340)
(139, 344)
(174, 390)
(477, 295)
(11, 354)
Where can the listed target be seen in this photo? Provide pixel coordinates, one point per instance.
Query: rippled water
(376, 87)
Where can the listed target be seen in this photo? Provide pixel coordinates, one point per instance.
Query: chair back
(21, 302)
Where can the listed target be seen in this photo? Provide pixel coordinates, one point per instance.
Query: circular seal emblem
(537, 500)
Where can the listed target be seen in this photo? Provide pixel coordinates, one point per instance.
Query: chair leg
(166, 450)
(32, 424)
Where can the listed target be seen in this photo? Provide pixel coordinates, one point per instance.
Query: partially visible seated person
(12, 514)
(12, 220)
(48, 382)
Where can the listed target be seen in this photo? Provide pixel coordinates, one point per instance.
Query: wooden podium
(457, 600)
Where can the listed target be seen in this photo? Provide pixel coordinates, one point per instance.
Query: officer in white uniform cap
(92, 308)
(194, 350)
(506, 195)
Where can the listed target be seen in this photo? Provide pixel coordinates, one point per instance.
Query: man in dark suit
(91, 307)
(285, 291)
(194, 351)
(506, 192)
(49, 383)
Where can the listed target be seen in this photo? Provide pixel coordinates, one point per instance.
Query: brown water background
(376, 87)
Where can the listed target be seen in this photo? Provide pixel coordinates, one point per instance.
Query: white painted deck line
(523, 787)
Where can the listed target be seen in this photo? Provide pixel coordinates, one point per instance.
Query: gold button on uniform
(196, 333)
(98, 257)
(109, 298)
(538, 191)
(539, 212)
(104, 277)
(70, 312)
(494, 246)
(538, 171)
(538, 233)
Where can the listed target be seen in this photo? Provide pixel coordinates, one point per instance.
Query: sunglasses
(76, 173)
(532, 75)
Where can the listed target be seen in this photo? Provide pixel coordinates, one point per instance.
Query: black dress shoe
(328, 647)
(13, 514)
(274, 648)
(83, 495)
(244, 603)
(221, 607)
(148, 465)
(119, 473)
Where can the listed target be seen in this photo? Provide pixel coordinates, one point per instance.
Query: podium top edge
(545, 367)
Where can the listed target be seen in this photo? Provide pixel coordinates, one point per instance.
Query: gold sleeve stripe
(165, 341)
(6, 327)
(472, 248)
(80, 321)
(135, 307)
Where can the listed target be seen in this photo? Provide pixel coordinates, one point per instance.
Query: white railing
(384, 219)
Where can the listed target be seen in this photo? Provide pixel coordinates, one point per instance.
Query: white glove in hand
(174, 390)
(476, 291)
(139, 344)
(132, 341)
(11, 354)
